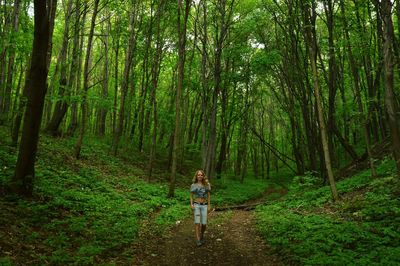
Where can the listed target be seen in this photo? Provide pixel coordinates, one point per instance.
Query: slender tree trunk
(102, 112)
(182, 26)
(333, 77)
(311, 42)
(205, 90)
(358, 95)
(116, 75)
(155, 74)
(223, 27)
(74, 108)
(224, 126)
(61, 106)
(18, 88)
(390, 100)
(145, 83)
(86, 72)
(3, 58)
(11, 59)
(125, 82)
(21, 106)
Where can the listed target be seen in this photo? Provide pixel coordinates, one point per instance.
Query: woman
(200, 202)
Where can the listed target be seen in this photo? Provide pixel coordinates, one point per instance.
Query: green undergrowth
(362, 228)
(92, 210)
(227, 191)
(83, 212)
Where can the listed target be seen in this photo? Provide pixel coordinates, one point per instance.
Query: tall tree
(86, 73)
(154, 84)
(102, 112)
(11, 59)
(145, 80)
(125, 81)
(390, 100)
(76, 67)
(61, 106)
(224, 10)
(182, 27)
(310, 38)
(204, 85)
(25, 167)
(356, 80)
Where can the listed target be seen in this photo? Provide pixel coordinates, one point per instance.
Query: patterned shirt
(200, 191)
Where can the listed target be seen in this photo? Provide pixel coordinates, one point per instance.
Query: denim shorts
(200, 213)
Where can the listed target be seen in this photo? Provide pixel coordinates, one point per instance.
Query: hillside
(362, 228)
(93, 210)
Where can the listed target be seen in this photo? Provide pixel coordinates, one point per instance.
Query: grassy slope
(91, 210)
(363, 228)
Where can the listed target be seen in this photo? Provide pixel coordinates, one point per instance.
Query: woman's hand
(209, 209)
(192, 206)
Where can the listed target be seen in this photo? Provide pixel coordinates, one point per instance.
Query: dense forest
(300, 95)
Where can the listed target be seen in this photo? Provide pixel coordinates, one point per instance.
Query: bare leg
(203, 229)
(198, 229)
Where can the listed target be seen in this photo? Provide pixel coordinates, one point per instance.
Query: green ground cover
(91, 211)
(362, 228)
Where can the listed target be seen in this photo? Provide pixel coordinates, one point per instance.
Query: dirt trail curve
(231, 239)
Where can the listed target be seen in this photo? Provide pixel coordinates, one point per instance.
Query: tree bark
(223, 27)
(390, 100)
(11, 59)
(205, 89)
(312, 52)
(61, 106)
(21, 106)
(333, 77)
(125, 82)
(102, 112)
(145, 83)
(86, 72)
(358, 95)
(77, 80)
(182, 26)
(155, 75)
(25, 166)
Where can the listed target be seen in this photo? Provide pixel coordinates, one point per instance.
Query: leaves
(316, 232)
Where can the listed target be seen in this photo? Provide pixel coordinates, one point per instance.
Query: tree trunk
(390, 100)
(223, 26)
(333, 77)
(225, 126)
(86, 72)
(22, 67)
(21, 106)
(25, 166)
(205, 89)
(61, 106)
(144, 84)
(11, 59)
(312, 52)
(3, 58)
(78, 76)
(102, 112)
(182, 26)
(153, 99)
(116, 74)
(358, 95)
(125, 82)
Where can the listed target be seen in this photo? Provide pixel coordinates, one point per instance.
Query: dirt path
(231, 239)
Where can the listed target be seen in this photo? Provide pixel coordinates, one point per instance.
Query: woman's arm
(209, 201)
(191, 200)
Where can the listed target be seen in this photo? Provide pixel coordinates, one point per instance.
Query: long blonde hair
(205, 179)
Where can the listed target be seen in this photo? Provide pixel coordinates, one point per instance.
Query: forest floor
(231, 239)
